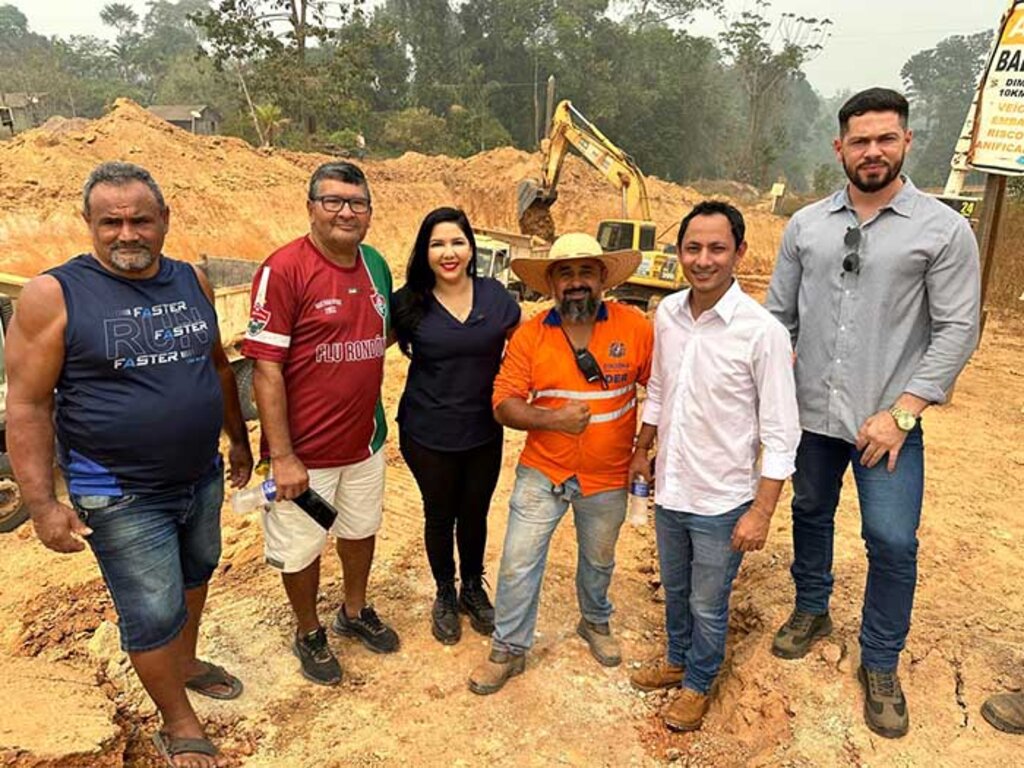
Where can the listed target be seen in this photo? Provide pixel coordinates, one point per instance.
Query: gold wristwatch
(905, 420)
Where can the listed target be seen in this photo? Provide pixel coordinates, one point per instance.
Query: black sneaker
(795, 638)
(444, 616)
(473, 602)
(318, 662)
(367, 627)
(885, 708)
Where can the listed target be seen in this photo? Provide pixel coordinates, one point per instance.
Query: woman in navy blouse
(453, 326)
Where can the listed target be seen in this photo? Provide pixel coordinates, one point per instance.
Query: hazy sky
(871, 39)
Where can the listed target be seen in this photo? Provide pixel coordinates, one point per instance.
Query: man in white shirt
(722, 403)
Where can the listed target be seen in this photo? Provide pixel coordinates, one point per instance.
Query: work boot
(1005, 711)
(473, 602)
(657, 675)
(687, 712)
(368, 628)
(318, 662)
(490, 676)
(795, 637)
(444, 616)
(603, 645)
(885, 709)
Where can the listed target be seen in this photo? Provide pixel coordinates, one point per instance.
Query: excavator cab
(626, 234)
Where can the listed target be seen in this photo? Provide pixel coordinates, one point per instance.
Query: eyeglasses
(589, 367)
(334, 204)
(851, 262)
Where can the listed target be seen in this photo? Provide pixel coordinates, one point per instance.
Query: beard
(579, 310)
(136, 258)
(876, 183)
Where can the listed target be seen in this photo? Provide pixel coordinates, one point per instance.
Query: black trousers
(456, 487)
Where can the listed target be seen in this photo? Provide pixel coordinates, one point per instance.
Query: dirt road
(68, 691)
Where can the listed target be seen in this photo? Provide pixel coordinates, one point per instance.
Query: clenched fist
(572, 417)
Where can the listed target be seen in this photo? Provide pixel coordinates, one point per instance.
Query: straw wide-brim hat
(533, 270)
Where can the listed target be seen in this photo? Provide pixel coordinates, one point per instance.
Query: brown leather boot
(656, 675)
(491, 675)
(687, 712)
(1005, 711)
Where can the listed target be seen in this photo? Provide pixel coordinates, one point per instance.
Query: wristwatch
(905, 420)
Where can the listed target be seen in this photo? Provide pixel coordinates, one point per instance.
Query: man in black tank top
(119, 349)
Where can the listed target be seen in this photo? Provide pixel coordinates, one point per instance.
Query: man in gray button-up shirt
(879, 287)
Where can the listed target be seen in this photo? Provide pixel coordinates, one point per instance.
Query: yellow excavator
(659, 273)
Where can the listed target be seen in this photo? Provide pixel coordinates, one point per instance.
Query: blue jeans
(150, 549)
(698, 565)
(890, 510)
(535, 509)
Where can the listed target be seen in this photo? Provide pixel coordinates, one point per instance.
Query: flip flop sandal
(204, 683)
(168, 746)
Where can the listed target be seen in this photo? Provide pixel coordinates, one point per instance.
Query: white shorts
(292, 539)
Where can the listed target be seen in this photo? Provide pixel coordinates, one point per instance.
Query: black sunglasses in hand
(851, 262)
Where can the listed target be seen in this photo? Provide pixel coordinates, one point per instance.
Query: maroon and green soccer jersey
(328, 326)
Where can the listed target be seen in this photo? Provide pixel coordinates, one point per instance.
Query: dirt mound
(58, 125)
(230, 199)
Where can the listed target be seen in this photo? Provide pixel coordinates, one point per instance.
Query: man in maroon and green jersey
(318, 331)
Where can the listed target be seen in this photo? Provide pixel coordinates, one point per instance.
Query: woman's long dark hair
(411, 301)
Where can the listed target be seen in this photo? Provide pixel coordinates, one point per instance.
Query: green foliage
(470, 131)
(767, 57)
(827, 179)
(458, 77)
(414, 129)
(940, 83)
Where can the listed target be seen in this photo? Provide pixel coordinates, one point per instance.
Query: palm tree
(270, 120)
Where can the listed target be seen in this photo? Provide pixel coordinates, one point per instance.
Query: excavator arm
(571, 130)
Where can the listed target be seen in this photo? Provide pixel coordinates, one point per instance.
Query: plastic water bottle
(639, 491)
(253, 498)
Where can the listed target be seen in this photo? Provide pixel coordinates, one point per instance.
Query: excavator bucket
(533, 206)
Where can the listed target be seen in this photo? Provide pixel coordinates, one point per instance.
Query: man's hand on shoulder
(58, 527)
(290, 476)
(878, 436)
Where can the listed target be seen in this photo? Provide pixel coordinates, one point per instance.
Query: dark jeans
(698, 566)
(456, 488)
(890, 510)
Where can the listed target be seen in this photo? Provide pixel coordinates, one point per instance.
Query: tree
(270, 40)
(271, 121)
(124, 20)
(659, 12)
(766, 56)
(13, 23)
(940, 83)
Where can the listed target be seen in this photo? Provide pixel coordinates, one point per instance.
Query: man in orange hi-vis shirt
(569, 379)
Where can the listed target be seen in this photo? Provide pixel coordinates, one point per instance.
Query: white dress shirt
(721, 387)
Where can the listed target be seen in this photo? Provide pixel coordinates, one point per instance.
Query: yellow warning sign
(997, 142)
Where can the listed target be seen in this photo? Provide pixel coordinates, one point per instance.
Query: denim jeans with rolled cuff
(535, 510)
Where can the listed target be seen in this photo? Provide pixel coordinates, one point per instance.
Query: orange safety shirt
(540, 367)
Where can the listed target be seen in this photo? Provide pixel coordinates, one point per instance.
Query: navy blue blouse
(446, 405)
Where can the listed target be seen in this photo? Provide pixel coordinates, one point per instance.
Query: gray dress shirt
(906, 322)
